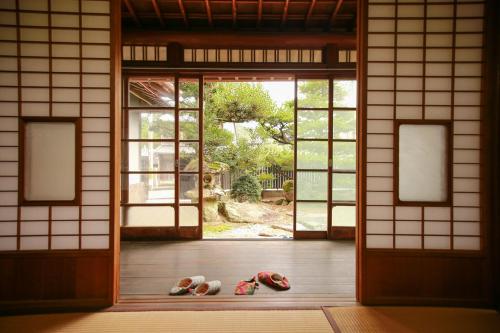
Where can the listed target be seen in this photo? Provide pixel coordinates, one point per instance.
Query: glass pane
(189, 188)
(312, 185)
(312, 93)
(151, 156)
(143, 124)
(312, 124)
(188, 121)
(145, 92)
(151, 188)
(344, 216)
(343, 187)
(312, 155)
(311, 216)
(344, 155)
(153, 216)
(423, 162)
(188, 152)
(188, 216)
(188, 93)
(344, 124)
(344, 93)
(49, 155)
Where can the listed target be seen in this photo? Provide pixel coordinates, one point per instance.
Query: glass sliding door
(325, 158)
(343, 150)
(312, 150)
(161, 158)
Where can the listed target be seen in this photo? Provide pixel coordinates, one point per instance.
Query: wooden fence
(278, 177)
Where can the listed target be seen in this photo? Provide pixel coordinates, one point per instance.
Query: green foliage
(288, 186)
(246, 188)
(265, 177)
(238, 102)
(215, 229)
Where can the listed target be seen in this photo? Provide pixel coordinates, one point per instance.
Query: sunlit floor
(315, 268)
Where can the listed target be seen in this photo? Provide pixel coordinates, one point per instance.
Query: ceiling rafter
(158, 12)
(234, 11)
(183, 12)
(209, 13)
(132, 12)
(259, 14)
(284, 18)
(335, 13)
(309, 13)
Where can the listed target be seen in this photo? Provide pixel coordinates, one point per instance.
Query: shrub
(288, 186)
(288, 189)
(245, 188)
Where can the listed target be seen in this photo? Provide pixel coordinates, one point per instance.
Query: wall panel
(55, 61)
(423, 62)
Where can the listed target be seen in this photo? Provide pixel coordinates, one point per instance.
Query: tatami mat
(413, 319)
(270, 321)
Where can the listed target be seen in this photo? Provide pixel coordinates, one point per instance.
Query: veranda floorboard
(315, 268)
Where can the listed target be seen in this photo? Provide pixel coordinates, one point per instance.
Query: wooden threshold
(159, 303)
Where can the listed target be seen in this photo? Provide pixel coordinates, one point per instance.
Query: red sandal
(246, 287)
(274, 280)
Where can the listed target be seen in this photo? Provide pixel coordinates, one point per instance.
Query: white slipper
(184, 284)
(207, 288)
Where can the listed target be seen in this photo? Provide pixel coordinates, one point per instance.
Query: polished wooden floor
(315, 268)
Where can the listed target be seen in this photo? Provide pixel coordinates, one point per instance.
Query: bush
(288, 189)
(288, 186)
(246, 188)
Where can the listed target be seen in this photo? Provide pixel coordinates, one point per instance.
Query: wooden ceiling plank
(209, 13)
(284, 18)
(335, 13)
(235, 13)
(259, 14)
(158, 12)
(183, 13)
(132, 12)
(309, 13)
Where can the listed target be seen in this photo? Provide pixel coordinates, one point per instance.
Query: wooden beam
(158, 12)
(309, 13)
(132, 12)
(183, 12)
(335, 13)
(234, 12)
(209, 13)
(285, 14)
(228, 39)
(259, 14)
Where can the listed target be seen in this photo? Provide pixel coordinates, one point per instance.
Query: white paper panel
(65, 227)
(188, 216)
(422, 163)
(95, 227)
(379, 241)
(64, 242)
(466, 243)
(95, 242)
(8, 243)
(34, 243)
(437, 242)
(408, 242)
(379, 227)
(150, 216)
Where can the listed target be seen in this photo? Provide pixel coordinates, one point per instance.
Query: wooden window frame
(449, 163)
(23, 121)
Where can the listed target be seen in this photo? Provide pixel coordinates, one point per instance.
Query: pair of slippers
(196, 285)
(270, 279)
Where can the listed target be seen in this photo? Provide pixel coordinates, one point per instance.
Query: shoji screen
(424, 63)
(55, 62)
(421, 86)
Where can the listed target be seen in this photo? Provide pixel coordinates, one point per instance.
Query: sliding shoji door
(57, 74)
(162, 158)
(423, 237)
